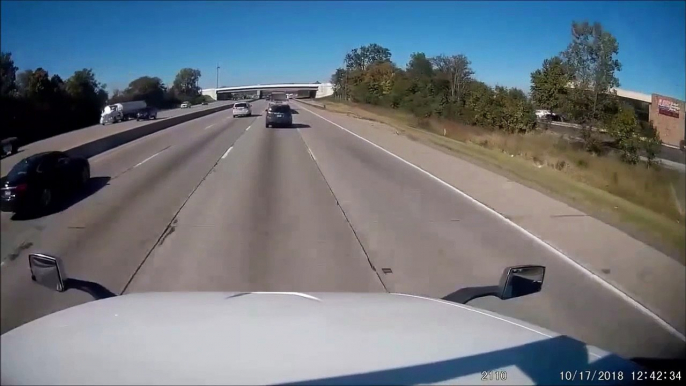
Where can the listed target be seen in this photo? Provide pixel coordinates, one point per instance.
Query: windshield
(280, 109)
(429, 145)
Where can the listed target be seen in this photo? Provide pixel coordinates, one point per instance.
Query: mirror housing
(521, 281)
(515, 282)
(48, 271)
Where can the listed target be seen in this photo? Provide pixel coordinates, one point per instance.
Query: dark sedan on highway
(34, 182)
(147, 113)
(279, 115)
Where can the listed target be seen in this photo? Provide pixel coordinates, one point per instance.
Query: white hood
(276, 338)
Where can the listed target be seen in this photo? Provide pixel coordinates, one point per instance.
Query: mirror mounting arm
(465, 295)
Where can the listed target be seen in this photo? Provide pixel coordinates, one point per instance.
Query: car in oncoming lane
(279, 116)
(186, 105)
(242, 109)
(35, 181)
(147, 113)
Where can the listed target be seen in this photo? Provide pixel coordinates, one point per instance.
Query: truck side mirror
(48, 271)
(521, 281)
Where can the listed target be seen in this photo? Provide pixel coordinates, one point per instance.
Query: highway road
(225, 204)
(87, 134)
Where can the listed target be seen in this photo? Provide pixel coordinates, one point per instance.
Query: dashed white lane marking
(227, 152)
(210, 126)
(248, 128)
(148, 159)
(311, 154)
(539, 241)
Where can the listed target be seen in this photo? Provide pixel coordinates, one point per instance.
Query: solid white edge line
(227, 152)
(148, 159)
(544, 244)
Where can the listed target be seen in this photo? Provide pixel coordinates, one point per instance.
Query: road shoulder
(648, 276)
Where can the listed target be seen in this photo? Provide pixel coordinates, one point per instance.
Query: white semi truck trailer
(118, 112)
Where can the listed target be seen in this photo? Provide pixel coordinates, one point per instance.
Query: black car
(147, 113)
(34, 182)
(279, 115)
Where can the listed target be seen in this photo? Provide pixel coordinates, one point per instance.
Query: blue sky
(278, 41)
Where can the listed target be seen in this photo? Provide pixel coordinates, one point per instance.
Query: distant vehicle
(204, 103)
(147, 113)
(186, 105)
(279, 96)
(118, 112)
(279, 115)
(242, 109)
(9, 146)
(33, 182)
(547, 115)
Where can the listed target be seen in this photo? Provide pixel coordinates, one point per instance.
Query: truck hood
(280, 338)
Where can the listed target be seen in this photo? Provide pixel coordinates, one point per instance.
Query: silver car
(242, 109)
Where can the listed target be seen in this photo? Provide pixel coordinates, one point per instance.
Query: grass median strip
(634, 198)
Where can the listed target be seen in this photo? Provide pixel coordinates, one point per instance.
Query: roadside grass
(635, 198)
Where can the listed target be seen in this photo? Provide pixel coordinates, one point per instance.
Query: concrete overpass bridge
(303, 90)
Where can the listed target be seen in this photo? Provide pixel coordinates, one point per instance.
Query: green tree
(623, 127)
(338, 79)
(87, 96)
(83, 85)
(651, 142)
(590, 60)
(186, 82)
(150, 89)
(8, 74)
(39, 86)
(457, 69)
(361, 58)
(549, 85)
(419, 66)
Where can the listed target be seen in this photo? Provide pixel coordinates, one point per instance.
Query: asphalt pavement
(91, 133)
(226, 204)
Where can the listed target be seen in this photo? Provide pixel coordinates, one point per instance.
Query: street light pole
(217, 76)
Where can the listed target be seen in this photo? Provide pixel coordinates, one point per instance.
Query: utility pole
(218, 76)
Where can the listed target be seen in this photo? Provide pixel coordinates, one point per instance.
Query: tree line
(37, 105)
(578, 83)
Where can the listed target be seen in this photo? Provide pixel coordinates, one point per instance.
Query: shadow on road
(293, 126)
(156, 119)
(67, 199)
(543, 362)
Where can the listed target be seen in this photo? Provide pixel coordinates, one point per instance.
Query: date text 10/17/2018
(597, 375)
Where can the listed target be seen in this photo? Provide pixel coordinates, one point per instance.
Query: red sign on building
(667, 107)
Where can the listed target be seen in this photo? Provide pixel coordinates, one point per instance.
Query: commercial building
(666, 113)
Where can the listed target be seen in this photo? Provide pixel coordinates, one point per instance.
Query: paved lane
(87, 134)
(435, 241)
(306, 209)
(106, 236)
(263, 220)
